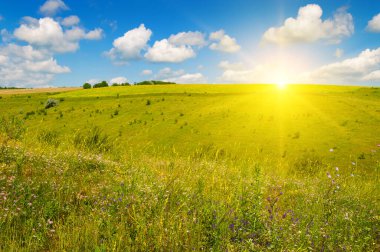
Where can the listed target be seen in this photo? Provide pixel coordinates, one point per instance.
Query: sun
(281, 84)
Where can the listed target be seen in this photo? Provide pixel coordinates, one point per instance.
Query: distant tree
(154, 82)
(101, 84)
(120, 84)
(86, 85)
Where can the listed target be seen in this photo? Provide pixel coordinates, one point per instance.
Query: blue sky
(66, 42)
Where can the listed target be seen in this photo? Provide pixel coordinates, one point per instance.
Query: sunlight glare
(281, 85)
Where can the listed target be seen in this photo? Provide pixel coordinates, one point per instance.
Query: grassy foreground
(198, 167)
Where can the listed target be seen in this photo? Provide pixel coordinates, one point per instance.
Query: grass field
(191, 167)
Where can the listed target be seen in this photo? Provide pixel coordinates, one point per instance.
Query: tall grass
(77, 200)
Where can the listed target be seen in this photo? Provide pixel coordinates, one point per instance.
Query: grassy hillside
(191, 167)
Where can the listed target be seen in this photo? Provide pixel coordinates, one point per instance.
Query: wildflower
(353, 163)
(50, 222)
(352, 175)
(337, 168)
(331, 150)
(29, 204)
(328, 175)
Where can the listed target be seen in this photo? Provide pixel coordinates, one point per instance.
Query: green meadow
(191, 168)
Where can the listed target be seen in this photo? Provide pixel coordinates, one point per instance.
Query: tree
(86, 85)
(101, 84)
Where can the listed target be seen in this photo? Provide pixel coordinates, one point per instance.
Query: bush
(87, 86)
(51, 103)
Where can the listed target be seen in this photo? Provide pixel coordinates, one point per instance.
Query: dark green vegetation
(191, 167)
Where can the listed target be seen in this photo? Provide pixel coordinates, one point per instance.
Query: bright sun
(281, 84)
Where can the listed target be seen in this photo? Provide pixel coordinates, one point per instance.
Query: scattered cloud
(24, 66)
(188, 39)
(49, 34)
(180, 76)
(164, 51)
(93, 81)
(118, 80)
(226, 65)
(339, 53)
(52, 7)
(223, 42)
(70, 21)
(364, 67)
(374, 24)
(1, 17)
(130, 45)
(309, 27)
(146, 72)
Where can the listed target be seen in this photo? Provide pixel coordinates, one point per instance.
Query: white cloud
(373, 76)
(309, 27)
(226, 65)
(163, 51)
(146, 72)
(339, 53)
(374, 24)
(188, 79)
(70, 21)
(130, 45)
(47, 33)
(223, 42)
(93, 81)
(364, 67)
(24, 66)
(180, 76)
(51, 7)
(267, 72)
(188, 38)
(118, 80)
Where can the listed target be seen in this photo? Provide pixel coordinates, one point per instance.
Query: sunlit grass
(196, 168)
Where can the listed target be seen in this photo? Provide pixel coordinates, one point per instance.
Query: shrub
(148, 102)
(87, 85)
(51, 103)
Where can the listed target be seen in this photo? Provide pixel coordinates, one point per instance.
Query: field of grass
(191, 167)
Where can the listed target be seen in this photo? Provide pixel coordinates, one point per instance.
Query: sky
(67, 42)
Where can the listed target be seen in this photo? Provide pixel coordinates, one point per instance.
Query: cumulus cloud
(51, 7)
(309, 27)
(130, 45)
(188, 38)
(164, 51)
(374, 24)
(223, 42)
(180, 76)
(70, 21)
(364, 67)
(118, 80)
(146, 72)
(48, 33)
(24, 66)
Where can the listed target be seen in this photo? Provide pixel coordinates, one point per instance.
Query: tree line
(105, 84)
